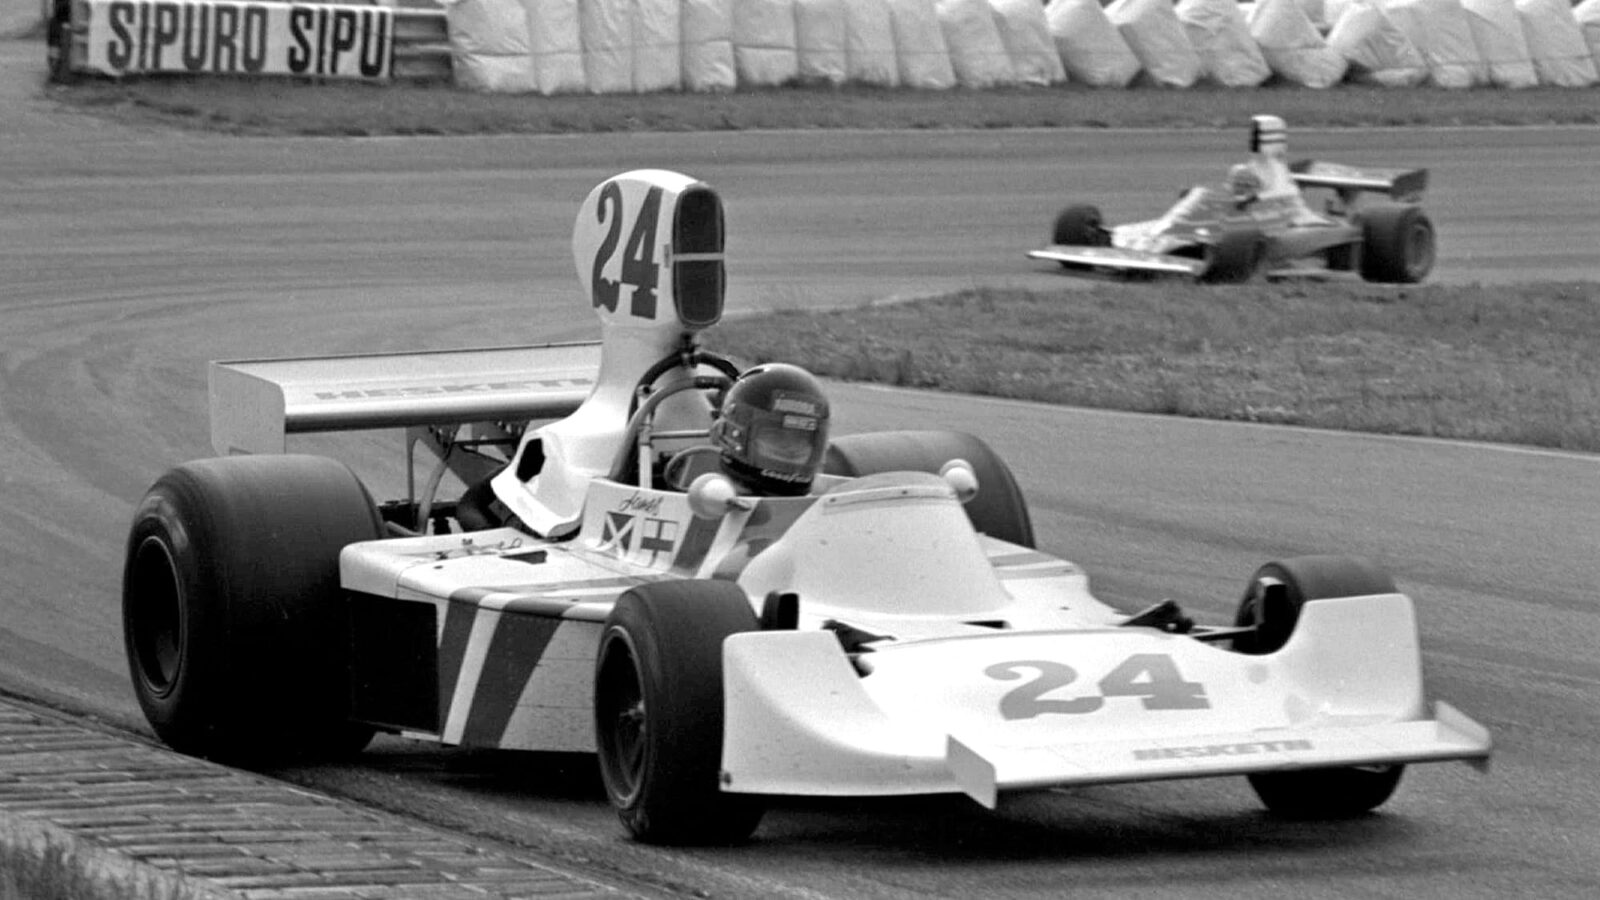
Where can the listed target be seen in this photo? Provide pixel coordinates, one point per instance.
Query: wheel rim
(155, 616)
(620, 711)
(1419, 249)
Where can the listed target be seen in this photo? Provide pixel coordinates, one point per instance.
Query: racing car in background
(1259, 222)
(892, 631)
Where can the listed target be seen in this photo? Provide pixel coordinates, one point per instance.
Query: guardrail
(418, 50)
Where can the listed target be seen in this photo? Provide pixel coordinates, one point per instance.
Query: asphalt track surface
(128, 258)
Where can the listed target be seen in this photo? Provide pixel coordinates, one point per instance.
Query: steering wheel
(634, 456)
(680, 470)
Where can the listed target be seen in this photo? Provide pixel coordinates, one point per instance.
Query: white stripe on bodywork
(727, 538)
(556, 709)
(483, 626)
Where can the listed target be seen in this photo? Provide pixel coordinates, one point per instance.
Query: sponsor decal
(617, 531)
(434, 390)
(1205, 751)
(637, 268)
(217, 37)
(639, 502)
(1151, 677)
(623, 532)
(800, 405)
(659, 538)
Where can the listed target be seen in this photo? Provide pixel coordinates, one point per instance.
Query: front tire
(659, 712)
(1081, 225)
(1279, 590)
(1397, 245)
(1326, 793)
(999, 510)
(1272, 604)
(233, 622)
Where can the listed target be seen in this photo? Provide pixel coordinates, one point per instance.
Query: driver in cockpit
(772, 432)
(1244, 185)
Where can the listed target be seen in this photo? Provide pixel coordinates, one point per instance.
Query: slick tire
(233, 621)
(1081, 226)
(999, 510)
(1326, 793)
(659, 713)
(1279, 590)
(1397, 245)
(58, 43)
(1272, 603)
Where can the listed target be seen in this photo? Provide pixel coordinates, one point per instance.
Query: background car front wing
(1118, 258)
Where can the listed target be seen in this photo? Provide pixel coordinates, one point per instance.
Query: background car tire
(1277, 593)
(233, 622)
(999, 510)
(1397, 245)
(58, 43)
(658, 712)
(1235, 258)
(1081, 225)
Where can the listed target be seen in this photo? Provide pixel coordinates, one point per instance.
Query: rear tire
(1081, 226)
(1397, 245)
(659, 712)
(1272, 603)
(233, 621)
(999, 510)
(58, 43)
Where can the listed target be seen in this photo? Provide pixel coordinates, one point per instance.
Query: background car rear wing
(257, 403)
(1400, 184)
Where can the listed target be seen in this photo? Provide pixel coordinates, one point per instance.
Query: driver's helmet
(773, 430)
(1243, 182)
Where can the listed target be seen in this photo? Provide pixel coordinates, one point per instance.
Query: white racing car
(603, 582)
(1259, 222)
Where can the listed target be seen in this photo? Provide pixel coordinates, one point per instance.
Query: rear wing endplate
(1400, 184)
(257, 403)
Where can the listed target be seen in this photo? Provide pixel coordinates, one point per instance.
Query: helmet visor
(787, 443)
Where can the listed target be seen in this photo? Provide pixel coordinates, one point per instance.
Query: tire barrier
(641, 46)
(612, 46)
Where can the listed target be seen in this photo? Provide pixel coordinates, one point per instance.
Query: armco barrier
(347, 39)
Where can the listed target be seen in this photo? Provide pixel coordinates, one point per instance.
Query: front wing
(984, 771)
(1120, 259)
(1019, 710)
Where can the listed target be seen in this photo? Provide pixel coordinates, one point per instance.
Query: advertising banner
(217, 37)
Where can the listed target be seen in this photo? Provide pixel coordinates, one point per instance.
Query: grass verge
(53, 873)
(1514, 365)
(263, 106)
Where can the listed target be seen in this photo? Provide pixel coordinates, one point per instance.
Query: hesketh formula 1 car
(1260, 222)
(891, 631)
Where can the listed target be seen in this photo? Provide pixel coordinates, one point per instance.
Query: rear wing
(257, 403)
(1405, 185)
